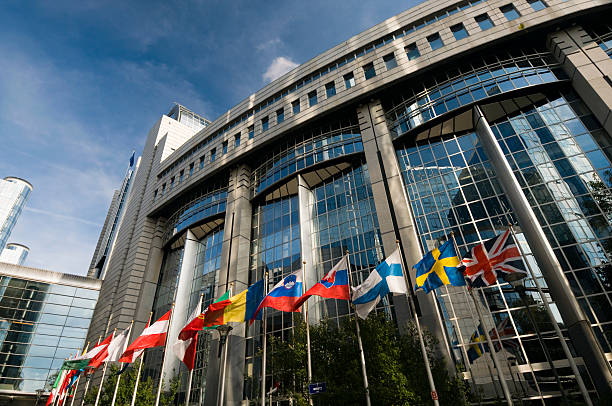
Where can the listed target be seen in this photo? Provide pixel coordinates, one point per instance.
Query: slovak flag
(334, 285)
(283, 295)
(152, 336)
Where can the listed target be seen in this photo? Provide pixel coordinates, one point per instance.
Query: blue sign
(315, 388)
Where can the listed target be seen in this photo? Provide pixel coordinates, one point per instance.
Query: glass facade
(13, 194)
(15, 254)
(602, 35)
(41, 324)
(554, 146)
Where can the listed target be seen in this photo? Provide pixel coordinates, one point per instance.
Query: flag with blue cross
(439, 267)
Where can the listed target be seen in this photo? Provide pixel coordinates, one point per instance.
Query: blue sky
(82, 82)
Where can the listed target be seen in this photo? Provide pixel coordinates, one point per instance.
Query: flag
(477, 349)
(118, 345)
(283, 295)
(334, 284)
(387, 277)
(152, 336)
(238, 308)
(504, 329)
(100, 352)
(185, 345)
(439, 267)
(197, 324)
(59, 380)
(496, 257)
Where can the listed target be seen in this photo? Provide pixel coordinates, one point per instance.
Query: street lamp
(224, 331)
(39, 393)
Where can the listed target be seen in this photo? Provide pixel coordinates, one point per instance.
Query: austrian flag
(498, 257)
(152, 336)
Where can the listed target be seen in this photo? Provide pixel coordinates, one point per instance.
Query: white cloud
(278, 68)
(269, 44)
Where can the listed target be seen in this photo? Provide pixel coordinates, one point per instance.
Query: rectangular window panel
(330, 89)
(251, 131)
(369, 71)
(510, 12)
(312, 98)
(224, 148)
(213, 154)
(237, 140)
(295, 105)
(412, 51)
(280, 116)
(484, 21)
(435, 41)
(265, 123)
(459, 31)
(349, 80)
(537, 5)
(390, 61)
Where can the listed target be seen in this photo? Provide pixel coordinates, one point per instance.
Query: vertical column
(578, 326)
(306, 201)
(393, 211)
(590, 69)
(235, 257)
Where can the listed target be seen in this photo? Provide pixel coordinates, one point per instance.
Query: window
(181, 173)
(224, 148)
(280, 116)
(484, 21)
(154, 194)
(251, 130)
(390, 61)
(190, 170)
(201, 162)
(163, 189)
(369, 71)
(330, 89)
(459, 31)
(295, 105)
(265, 123)
(510, 12)
(412, 52)
(312, 98)
(213, 154)
(237, 140)
(171, 183)
(537, 5)
(435, 41)
(349, 80)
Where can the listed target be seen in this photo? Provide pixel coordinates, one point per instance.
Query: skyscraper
(453, 116)
(13, 194)
(15, 254)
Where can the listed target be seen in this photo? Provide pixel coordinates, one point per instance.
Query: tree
(147, 392)
(396, 372)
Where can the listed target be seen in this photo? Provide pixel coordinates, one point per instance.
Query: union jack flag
(504, 329)
(497, 257)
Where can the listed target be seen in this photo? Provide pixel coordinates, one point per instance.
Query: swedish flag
(439, 267)
(477, 349)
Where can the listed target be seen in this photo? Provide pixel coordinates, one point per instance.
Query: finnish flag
(387, 277)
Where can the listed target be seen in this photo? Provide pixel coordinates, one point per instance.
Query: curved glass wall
(319, 144)
(275, 248)
(41, 324)
(552, 148)
(483, 77)
(344, 218)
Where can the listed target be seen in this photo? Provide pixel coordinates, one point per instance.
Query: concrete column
(394, 213)
(235, 257)
(589, 67)
(181, 304)
(306, 201)
(577, 324)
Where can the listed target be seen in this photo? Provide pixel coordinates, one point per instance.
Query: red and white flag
(152, 336)
(99, 353)
(185, 345)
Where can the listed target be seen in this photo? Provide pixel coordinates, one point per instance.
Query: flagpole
(264, 343)
(364, 371)
(566, 350)
(88, 377)
(139, 369)
(119, 376)
(310, 401)
(103, 374)
(161, 372)
(188, 393)
(76, 385)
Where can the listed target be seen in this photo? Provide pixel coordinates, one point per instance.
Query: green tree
(146, 395)
(396, 372)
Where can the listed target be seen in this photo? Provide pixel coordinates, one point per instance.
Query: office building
(44, 318)
(13, 194)
(451, 117)
(15, 254)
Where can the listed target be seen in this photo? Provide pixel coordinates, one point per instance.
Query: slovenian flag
(334, 285)
(284, 295)
(238, 308)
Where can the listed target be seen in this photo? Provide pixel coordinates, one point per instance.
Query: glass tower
(13, 194)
